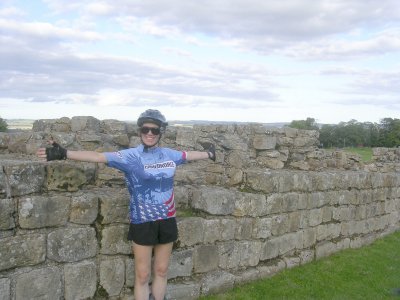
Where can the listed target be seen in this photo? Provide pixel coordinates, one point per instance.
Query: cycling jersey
(149, 175)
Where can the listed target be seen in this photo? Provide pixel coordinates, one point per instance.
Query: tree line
(386, 133)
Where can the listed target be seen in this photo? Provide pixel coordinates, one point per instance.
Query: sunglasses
(146, 130)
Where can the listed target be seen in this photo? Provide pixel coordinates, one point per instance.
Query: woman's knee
(161, 270)
(142, 276)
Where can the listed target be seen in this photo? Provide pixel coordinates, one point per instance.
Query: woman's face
(150, 134)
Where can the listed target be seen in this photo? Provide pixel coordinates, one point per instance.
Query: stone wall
(272, 200)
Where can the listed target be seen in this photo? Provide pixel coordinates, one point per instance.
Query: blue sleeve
(123, 160)
(179, 157)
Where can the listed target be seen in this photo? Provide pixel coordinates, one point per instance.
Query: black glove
(211, 152)
(56, 152)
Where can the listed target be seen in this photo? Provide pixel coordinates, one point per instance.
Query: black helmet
(152, 116)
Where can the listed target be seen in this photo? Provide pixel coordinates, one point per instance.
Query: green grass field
(365, 153)
(371, 272)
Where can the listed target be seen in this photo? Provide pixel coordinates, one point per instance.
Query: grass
(371, 272)
(364, 152)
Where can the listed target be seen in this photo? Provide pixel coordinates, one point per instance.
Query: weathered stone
(191, 231)
(181, 264)
(39, 284)
(113, 126)
(212, 230)
(24, 178)
(5, 288)
(262, 228)
(270, 163)
(80, 280)
(7, 210)
(247, 204)
(183, 291)
(214, 201)
(130, 272)
(324, 249)
(71, 244)
(114, 206)
(243, 228)
(264, 142)
(85, 123)
(112, 275)
(247, 276)
(43, 211)
(217, 282)
(205, 258)
(22, 251)
(84, 208)
(69, 176)
(114, 240)
(185, 137)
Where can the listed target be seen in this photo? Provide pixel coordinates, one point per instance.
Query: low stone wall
(273, 200)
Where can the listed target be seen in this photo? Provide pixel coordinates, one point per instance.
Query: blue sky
(238, 60)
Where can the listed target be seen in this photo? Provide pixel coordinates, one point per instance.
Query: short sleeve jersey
(149, 175)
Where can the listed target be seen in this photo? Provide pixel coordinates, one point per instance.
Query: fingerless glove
(56, 152)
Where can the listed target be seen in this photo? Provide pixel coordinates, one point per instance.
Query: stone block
(183, 291)
(129, 272)
(216, 201)
(264, 142)
(229, 255)
(7, 210)
(279, 224)
(112, 275)
(4, 187)
(212, 230)
(85, 123)
(191, 231)
(21, 251)
(84, 208)
(114, 206)
(269, 270)
(205, 258)
(244, 228)
(325, 249)
(247, 276)
(228, 229)
(25, 178)
(42, 283)
(309, 237)
(247, 204)
(181, 264)
(217, 282)
(43, 211)
(261, 228)
(5, 288)
(114, 240)
(261, 181)
(69, 176)
(80, 280)
(71, 244)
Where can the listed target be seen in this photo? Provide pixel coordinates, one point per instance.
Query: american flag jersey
(149, 175)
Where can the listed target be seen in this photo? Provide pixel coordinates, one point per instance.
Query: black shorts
(153, 233)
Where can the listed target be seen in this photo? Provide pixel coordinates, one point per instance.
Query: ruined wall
(272, 200)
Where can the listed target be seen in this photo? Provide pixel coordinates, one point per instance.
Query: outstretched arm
(56, 152)
(196, 155)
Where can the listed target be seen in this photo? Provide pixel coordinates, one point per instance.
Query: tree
(390, 132)
(3, 125)
(308, 124)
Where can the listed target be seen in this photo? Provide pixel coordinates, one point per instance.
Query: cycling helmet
(152, 116)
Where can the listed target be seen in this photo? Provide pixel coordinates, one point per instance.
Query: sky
(217, 60)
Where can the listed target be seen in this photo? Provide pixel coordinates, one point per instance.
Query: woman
(149, 171)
